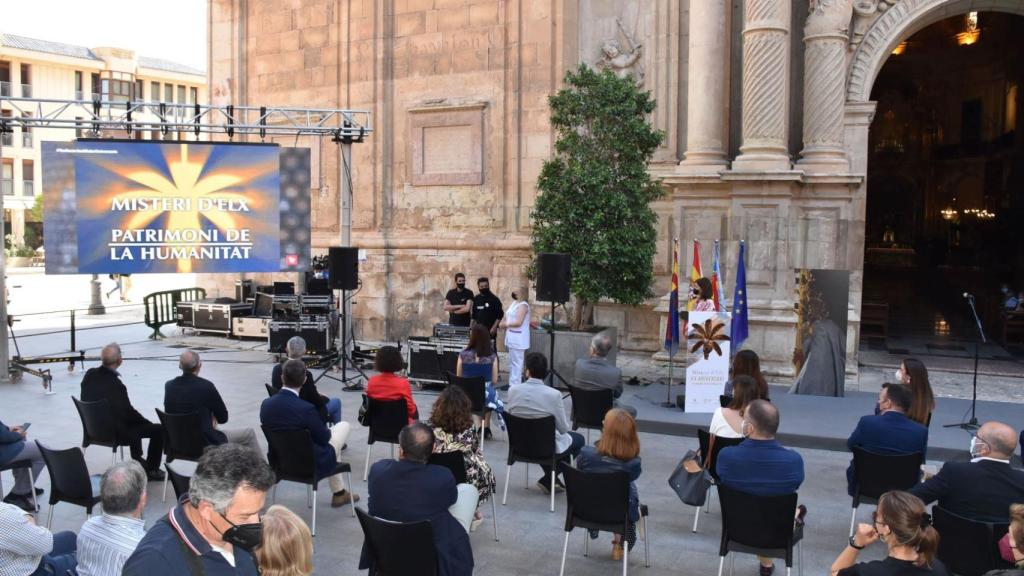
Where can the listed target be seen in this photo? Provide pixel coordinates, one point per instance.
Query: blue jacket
(403, 491)
(190, 393)
(590, 460)
(761, 468)
(286, 411)
(11, 444)
(888, 433)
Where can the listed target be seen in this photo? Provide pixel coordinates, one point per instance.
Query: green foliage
(596, 191)
(35, 213)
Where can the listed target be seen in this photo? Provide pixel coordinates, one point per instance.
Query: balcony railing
(5, 88)
(26, 139)
(7, 186)
(28, 188)
(26, 90)
(7, 139)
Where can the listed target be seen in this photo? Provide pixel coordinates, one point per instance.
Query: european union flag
(739, 303)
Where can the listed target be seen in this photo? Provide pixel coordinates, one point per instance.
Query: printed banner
(707, 367)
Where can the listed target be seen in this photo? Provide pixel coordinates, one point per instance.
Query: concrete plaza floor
(530, 536)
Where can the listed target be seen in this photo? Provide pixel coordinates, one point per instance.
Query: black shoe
(487, 433)
(23, 501)
(559, 485)
(39, 491)
(155, 475)
(545, 485)
(767, 570)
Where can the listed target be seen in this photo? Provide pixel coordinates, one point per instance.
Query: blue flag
(740, 329)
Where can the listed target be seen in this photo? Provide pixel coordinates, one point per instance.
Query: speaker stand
(343, 356)
(552, 372)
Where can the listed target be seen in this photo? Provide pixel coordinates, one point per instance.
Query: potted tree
(595, 198)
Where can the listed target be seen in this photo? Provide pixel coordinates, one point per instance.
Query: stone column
(825, 41)
(706, 96)
(766, 25)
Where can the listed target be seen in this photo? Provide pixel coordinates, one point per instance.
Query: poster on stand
(707, 365)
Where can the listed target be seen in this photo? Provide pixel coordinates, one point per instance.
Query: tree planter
(571, 346)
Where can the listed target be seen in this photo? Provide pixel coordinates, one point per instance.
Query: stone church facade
(765, 105)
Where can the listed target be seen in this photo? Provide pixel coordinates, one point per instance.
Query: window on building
(117, 86)
(5, 78)
(181, 94)
(168, 92)
(97, 87)
(26, 133)
(26, 81)
(7, 177)
(7, 138)
(28, 177)
(79, 95)
(138, 96)
(193, 95)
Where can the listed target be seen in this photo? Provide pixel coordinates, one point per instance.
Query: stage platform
(823, 423)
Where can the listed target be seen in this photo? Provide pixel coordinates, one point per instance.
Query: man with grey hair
(105, 542)
(104, 383)
(214, 529)
(595, 373)
(189, 393)
(328, 408)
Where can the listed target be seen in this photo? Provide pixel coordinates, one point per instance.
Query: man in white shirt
(26, 548)
(517, 333)
(105, 542)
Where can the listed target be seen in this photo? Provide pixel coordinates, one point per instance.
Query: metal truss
(98, 115)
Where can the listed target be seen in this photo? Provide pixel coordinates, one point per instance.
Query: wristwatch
(853, 544)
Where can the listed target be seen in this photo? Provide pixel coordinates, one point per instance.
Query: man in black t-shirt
(458, 302)
(487, 308)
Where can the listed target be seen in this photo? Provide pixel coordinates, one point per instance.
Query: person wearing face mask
(458, 302)
(889, 432)
(517, 334)
(983, 488)
(487, 309)
(214, 529)
(913, 374)
(902, 523)
(701, 296)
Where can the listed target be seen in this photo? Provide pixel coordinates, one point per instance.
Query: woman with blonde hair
(287, 548)
(618, 450)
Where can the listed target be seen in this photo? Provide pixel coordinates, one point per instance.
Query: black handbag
(689, 480)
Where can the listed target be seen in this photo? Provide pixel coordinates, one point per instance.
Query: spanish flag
(672, 328)
(695, 272)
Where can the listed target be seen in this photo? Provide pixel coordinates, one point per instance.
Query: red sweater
(388, 386)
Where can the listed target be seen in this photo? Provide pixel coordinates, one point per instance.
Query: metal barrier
(161, 307)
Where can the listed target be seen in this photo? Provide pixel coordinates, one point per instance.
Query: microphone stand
(972, 424)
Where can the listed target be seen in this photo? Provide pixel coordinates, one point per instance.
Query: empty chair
(531, 440)
(968, 547)
(15, 465)
(293, 460)
(599, 501)
(589, 408)
(761, 525)
(98, 426)
(709, 451)
(879, 473)
(179, 482)
(270, 390)
(69, 479)
(475, 388)
(387, 418)
(183, 438)
(456, 462)
(398, 548)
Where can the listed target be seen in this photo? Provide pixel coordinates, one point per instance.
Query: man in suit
(189, 393)
(104, 383)
(328, 408)
(410, 490)
(983, 488)
(535, 399)
(285, 411)
(760, 465)
(595, 373)
(889, 432)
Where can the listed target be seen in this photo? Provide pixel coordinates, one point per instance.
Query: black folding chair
(968, 547)
(179, 482)
(293, 460)
(476, 388)
(724, 400)
(877, 474)
(387, 418)
(270, 390)
(183, 438)
(69, 479)
(761, 525)
(15, 465)
(531, 440)
(709, 456)
(456, 462)
(599, 501)
(589, 408)
(99, 427)
(399, 548)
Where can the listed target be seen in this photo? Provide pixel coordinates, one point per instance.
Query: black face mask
(245, 536)
(461, 285)
(485, 290)
(515, 296)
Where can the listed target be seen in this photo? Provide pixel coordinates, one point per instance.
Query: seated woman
(746, 363)
(906, 528)
(728, 422)
(618, 450)
(287, 548)
(387, 385)
(1011, 546)
(479, 359)
(914, 375)
(452, 421)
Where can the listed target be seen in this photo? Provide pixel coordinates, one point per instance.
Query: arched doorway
(945, 163)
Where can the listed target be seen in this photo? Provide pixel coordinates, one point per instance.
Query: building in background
(33, 68)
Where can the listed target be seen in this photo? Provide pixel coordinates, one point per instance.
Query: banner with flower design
(707, 367)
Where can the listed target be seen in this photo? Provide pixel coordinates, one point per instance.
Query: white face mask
(899, 376)
(975, 451)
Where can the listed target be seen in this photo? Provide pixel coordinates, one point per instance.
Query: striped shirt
(105, 543)
(22, 543)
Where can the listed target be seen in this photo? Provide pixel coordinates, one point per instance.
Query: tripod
(553, 373)
(343, 356)
(972, 424)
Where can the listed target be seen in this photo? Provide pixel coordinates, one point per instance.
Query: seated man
(105, 542)
(214, 529)
(328, 408)
(890, 432)
(104, 383)
(26, 548)
(983, 488)
(286, 411)
(595, 373)
(535, 399)
(409, 490)
(14, 446)
(760, 465)
(189, 393)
